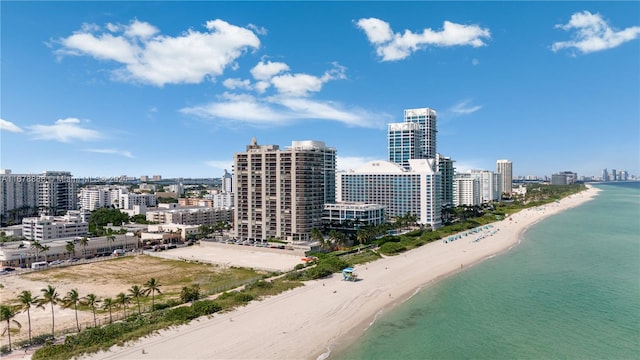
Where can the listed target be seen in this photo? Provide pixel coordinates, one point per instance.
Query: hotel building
(415, 190)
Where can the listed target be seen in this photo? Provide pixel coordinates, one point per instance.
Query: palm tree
(91, 300)
(316, 235)
(72, 298)
(112, 239)
(44, 249)
(84, 241)
(152, 286)
(137, 292)
(27, 299)
(123, 300)
(107, 304)
(37, 246)
(50, 296)
(70, 248)
(7, 313)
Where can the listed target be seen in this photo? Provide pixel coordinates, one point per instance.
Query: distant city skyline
(176, 89)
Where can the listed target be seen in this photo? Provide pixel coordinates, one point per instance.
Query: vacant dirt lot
(106, 279)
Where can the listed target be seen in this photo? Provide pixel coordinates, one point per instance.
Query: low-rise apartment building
(190, 216)
(54, 227)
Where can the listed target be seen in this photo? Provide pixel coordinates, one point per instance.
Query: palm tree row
(26, 300)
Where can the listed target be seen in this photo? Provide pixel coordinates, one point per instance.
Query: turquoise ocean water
(569, 290)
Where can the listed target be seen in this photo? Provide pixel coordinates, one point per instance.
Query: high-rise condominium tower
(281, 193)
(403, 141)
(426, 118)
(505, 169)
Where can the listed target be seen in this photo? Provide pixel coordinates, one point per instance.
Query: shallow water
(570, 290)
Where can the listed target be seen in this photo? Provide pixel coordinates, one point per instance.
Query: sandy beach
(324, 315)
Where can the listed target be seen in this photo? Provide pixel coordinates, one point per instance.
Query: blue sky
(142, 88)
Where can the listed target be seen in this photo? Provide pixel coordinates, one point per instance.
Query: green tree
(111, 239)
(26, 300)
(70, 248)
(45, 249)
(123, 299)
(84, 241)
(316, 235)
(152, 286)
(137, 292)
(91, 300)
(37, 247)
(221, 226)
(8, 313)
(139, 219)
(104, 216)
(190, 293)
(205, 230)
(107, 304)
(71, 300)
(50, 296)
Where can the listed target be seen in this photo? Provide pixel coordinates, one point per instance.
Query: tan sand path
(304, 323)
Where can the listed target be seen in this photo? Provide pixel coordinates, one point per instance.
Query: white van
(39, 265)
(118, 252)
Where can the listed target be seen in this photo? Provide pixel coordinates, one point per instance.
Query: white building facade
(415, 191)
(361, 213)
(54, 227)
(48, 193)
(190, 216)
(466, 190)
(426, 119)
(489, 183)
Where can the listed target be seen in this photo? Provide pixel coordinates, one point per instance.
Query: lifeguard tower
(349, 275)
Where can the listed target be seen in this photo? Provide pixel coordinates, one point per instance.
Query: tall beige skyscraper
(505, 169)
(280, 193)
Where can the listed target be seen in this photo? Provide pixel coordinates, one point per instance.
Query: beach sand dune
(308, 322)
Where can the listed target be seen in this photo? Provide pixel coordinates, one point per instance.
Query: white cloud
(289, 101)
(153, 58)
(237, 84)
(297, 84)
(124, 153)
(265, 71)
(593, 33)
(345, 163)
(463, 108)
(397, 46)
(64, 130)
(9, 126)
(377, 31)
(140, 29)
(475, 62)
(257, 29)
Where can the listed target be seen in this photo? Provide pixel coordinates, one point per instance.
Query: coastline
(324, 316)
